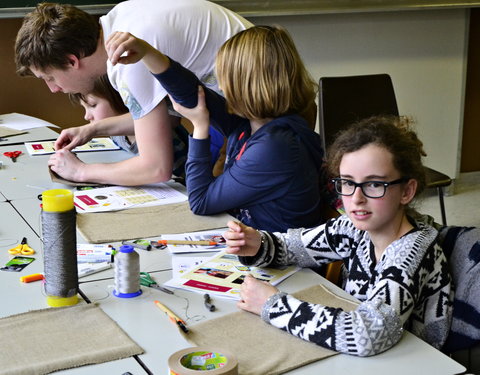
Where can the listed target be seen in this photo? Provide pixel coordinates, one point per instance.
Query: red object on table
(13, 155)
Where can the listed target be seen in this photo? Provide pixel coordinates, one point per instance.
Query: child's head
(104, 101)
(383, 150)
(262, 75)
(395, 134)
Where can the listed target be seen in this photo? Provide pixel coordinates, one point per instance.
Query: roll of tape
(201, 360)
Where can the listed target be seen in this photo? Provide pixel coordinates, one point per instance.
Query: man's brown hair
(50, 33)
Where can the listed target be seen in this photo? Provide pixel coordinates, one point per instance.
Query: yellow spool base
(57, 200)
(55, 301)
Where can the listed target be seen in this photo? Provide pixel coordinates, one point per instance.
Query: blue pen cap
(126, 249)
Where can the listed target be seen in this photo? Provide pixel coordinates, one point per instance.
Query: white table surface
(29, 175)
(32, 135)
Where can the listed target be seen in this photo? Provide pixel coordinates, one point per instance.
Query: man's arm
(153, 134)
(79, 135)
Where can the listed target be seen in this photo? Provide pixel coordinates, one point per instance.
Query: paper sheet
(223, 274)
(47, 147)
(115, 198)
(23, 122)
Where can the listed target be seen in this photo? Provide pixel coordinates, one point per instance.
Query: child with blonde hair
(273, 169)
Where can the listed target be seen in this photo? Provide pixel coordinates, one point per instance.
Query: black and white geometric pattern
(410, 287)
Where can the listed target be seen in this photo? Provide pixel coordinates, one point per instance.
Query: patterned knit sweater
(410, 287)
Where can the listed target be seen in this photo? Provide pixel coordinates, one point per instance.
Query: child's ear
(409, 191)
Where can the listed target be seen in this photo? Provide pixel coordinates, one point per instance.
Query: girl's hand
(199, 115)
(242, 240)
(254, 293)
(124, 48)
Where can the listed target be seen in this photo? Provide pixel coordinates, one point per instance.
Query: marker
(174, 318)
(187, 242)
(208, 302)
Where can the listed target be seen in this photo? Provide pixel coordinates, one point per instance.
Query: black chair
(345, 100)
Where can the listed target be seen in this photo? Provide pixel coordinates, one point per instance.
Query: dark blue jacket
(271, 179)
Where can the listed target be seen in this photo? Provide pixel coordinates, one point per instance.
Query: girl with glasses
(392, 262)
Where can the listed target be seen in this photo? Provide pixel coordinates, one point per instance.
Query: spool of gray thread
(127, 273)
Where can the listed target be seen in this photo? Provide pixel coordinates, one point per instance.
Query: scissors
(146, 280)
(12, 155)
(22, 248)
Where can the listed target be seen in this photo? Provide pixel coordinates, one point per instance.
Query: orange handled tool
(30, 278)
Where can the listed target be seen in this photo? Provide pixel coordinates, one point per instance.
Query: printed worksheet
(115, 198)
(223, 274)
(47, 147)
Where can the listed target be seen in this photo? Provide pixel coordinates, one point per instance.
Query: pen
(187, 242)
(208, 302)
(174, 318)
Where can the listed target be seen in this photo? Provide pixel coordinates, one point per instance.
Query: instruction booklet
(222, 275)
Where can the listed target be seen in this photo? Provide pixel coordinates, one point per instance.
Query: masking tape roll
(201, 360)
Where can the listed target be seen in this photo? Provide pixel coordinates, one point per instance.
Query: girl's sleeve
(182, 85)
(371, 328)
(264, 173)
(376, 324)
(306, 248)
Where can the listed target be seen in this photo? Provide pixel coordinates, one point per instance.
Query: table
(18, 297)
(139, 317)
(29, 175)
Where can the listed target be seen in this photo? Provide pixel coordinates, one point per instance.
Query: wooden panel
(470, 158)
(30, 96)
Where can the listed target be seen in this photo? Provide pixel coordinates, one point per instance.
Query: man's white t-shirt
(188, 31)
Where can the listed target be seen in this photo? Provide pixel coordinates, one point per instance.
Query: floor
(462, 207)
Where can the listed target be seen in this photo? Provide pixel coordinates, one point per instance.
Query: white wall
(423, 51)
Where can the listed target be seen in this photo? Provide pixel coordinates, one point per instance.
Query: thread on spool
(59, 248)
(127, 273)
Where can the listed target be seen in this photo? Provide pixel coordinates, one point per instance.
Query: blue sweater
(271, 180)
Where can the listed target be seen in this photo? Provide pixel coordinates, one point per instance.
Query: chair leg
(442, 205)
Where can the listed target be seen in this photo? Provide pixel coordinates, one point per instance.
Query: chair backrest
(345, 100)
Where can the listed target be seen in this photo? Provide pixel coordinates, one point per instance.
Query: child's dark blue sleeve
(182, 85)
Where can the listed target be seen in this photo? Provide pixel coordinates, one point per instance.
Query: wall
(423, 51)
(30, 96)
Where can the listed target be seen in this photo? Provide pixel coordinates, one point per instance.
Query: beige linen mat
(259, 347)
(144, 222)
(43, 341)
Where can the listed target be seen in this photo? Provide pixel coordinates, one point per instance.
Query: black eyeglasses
(371, 189)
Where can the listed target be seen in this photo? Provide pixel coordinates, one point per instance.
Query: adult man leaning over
(64, 46)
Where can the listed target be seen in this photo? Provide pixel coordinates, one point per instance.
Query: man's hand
(67, 165)
(73, 137)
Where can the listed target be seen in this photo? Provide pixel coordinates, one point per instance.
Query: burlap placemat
(9, 132)
(43, 341)
(144, 222)
(259, 347)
